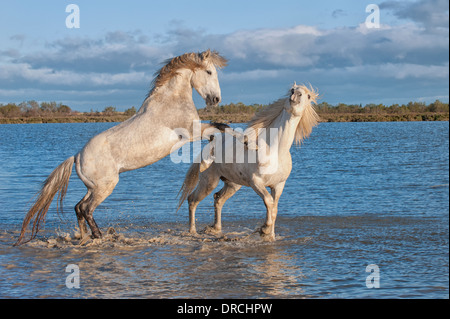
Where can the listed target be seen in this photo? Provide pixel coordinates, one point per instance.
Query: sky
(110, 60)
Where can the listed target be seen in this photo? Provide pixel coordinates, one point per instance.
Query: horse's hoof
(97, 235)
(212, 230)
(268, 237)
(193, 232)
(264, 230)
(251, 146)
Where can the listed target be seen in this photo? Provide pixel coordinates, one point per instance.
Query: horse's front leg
(207, 130)
(276, 193)
(267, 230)
(243, 138)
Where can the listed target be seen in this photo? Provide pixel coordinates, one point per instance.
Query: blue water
(358, 194)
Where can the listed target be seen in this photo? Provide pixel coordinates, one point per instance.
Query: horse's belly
(122, 151)
(136, 149)
(131, 159)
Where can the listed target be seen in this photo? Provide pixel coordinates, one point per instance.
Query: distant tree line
(412, 111)
(235, 108)
(50, 109)
(341, 108)
(34, 112)
(411, 107)
(33, 109)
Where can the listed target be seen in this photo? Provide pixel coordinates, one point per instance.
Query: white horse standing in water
(142, 140)
(291, 119)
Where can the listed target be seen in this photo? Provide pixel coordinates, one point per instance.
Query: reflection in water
(278, 275)
(328, 260)
(170, 264)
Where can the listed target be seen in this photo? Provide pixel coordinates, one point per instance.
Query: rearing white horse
(285, 121)
(141, 140)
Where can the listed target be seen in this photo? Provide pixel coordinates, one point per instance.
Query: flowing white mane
(265, 117)
(192, 61)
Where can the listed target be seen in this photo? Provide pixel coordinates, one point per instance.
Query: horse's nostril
(212, 99)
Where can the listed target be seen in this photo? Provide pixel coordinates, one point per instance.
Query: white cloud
(404, 71)
(23, 71)
(253, 75)
(275, 46)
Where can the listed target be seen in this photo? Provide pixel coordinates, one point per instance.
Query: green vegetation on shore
(52, 112)
(413, 111)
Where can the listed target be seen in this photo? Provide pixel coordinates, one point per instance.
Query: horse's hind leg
(220, 198)
(85, 210)
(80, 215)
(206, 185)
(95, 198)
(88, 215)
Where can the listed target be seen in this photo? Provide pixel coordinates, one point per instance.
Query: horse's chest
(277, 172)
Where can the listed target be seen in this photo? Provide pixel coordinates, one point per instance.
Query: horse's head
(205, 79)
(300, 97)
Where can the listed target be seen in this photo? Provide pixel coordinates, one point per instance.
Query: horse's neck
(176, 92)
(285, 126)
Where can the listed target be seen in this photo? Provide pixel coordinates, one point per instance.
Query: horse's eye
(292, 91)
(209, 72)
(309, 97)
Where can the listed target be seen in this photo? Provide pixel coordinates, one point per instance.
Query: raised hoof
(250, 145)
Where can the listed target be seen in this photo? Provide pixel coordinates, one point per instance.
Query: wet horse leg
(208, 181)
(91, 202)
(276, 193)
(267, 229)
(80, 216)
(220, 198)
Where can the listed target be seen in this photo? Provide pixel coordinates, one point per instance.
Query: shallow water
(359, 194)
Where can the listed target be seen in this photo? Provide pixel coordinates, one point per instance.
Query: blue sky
(111, 58)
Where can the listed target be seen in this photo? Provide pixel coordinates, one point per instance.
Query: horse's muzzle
(212, 100)
(293, 98)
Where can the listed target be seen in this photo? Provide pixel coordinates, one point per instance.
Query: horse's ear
(206, 54)
(295, 83)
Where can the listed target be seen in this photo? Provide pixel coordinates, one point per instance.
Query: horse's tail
(58, 181)
(190, 182)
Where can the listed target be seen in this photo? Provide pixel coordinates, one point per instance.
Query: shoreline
(339, 117)
(234, 118)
